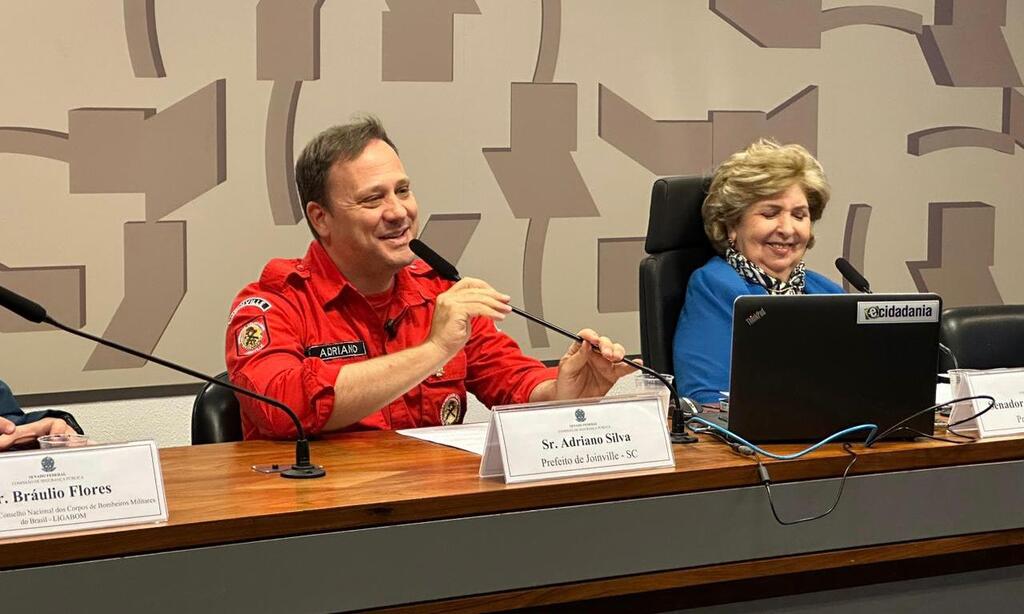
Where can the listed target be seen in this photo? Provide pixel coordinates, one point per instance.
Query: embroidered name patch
(252, 301)
(330, 351)
(252, 336)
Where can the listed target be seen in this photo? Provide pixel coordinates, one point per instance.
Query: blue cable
(830, 438)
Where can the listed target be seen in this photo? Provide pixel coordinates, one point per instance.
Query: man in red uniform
(359, 334)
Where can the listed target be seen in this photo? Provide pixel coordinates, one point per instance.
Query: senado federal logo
(897, 312)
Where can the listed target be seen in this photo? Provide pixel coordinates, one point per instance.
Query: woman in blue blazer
(759, 215)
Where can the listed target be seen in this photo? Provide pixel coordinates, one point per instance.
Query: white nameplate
(1006, 386)
(71, 489)
(539, 441)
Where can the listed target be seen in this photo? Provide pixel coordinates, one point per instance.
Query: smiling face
(773, 232)
(369, 217)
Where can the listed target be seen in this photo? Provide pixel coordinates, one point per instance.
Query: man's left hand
(583, 373)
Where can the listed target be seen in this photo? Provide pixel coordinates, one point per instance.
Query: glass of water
(647, 383)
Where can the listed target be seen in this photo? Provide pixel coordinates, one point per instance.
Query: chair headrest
(675, 221)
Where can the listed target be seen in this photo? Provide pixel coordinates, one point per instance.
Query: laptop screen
(804, 367)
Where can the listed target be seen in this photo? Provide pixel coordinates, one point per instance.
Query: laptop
(805, 367)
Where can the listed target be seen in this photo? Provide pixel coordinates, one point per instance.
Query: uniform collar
(330, 284)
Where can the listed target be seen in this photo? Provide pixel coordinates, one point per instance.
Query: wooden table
(399, 522)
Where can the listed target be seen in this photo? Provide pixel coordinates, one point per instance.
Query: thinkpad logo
(755, 316)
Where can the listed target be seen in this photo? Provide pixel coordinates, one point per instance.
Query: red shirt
(290, 333)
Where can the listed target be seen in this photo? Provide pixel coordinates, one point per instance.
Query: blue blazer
(702, 345)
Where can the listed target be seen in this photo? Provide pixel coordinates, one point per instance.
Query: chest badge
(439, 373)
(451, 409)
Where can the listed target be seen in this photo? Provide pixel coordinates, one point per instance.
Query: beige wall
(144, 148)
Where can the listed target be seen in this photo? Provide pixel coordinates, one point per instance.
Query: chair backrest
(216, 416)
(983, 336)
(676, 246)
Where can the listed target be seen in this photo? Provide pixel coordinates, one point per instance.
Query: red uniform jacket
(291, 332)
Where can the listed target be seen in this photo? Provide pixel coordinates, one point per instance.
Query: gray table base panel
(433, 560)
(985, 591)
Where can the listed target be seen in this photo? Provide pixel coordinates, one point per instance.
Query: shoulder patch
(252, 301)
(252, 336)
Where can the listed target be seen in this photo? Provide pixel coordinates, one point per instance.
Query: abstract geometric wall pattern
(172, 157)
(960, 252)
(537, 174)
(141, 35)
(618, 283)
(798, 24)
(287, 53)
(855, 238)
(61, 288)
(449, 233)
(965, 47)
(690, 147)
(418, 38)
(533, 127)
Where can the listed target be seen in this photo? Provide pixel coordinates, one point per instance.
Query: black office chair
(216, 416)
(676, 246)
(983, 336)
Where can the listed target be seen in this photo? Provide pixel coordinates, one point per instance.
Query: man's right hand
(27, 432)
(456, 307)
(362, 388)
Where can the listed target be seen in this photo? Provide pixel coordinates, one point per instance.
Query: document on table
(468, 437)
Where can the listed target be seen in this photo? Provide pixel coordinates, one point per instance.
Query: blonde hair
(762, 170)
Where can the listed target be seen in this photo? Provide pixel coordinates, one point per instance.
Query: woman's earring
(732, 244)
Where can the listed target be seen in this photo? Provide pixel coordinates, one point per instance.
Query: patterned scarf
(755, 274)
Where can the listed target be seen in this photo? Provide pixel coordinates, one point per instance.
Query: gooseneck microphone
(852, 275)
(34, 312)
(448, 271)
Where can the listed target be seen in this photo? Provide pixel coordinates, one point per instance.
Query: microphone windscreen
(852, 275)
(444, 268)
(30, 310)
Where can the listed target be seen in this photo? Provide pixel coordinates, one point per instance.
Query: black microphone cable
(766, 480)
(899, 426)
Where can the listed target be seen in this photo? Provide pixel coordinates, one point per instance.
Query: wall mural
(531, 130)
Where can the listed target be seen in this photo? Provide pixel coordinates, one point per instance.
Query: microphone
(852, 275)
(858, 281)
(448, 271)
(34, 312)
(30, 310)
(391, 324)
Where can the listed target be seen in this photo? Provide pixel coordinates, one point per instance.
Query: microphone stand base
(682, 438)
(303, 472)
